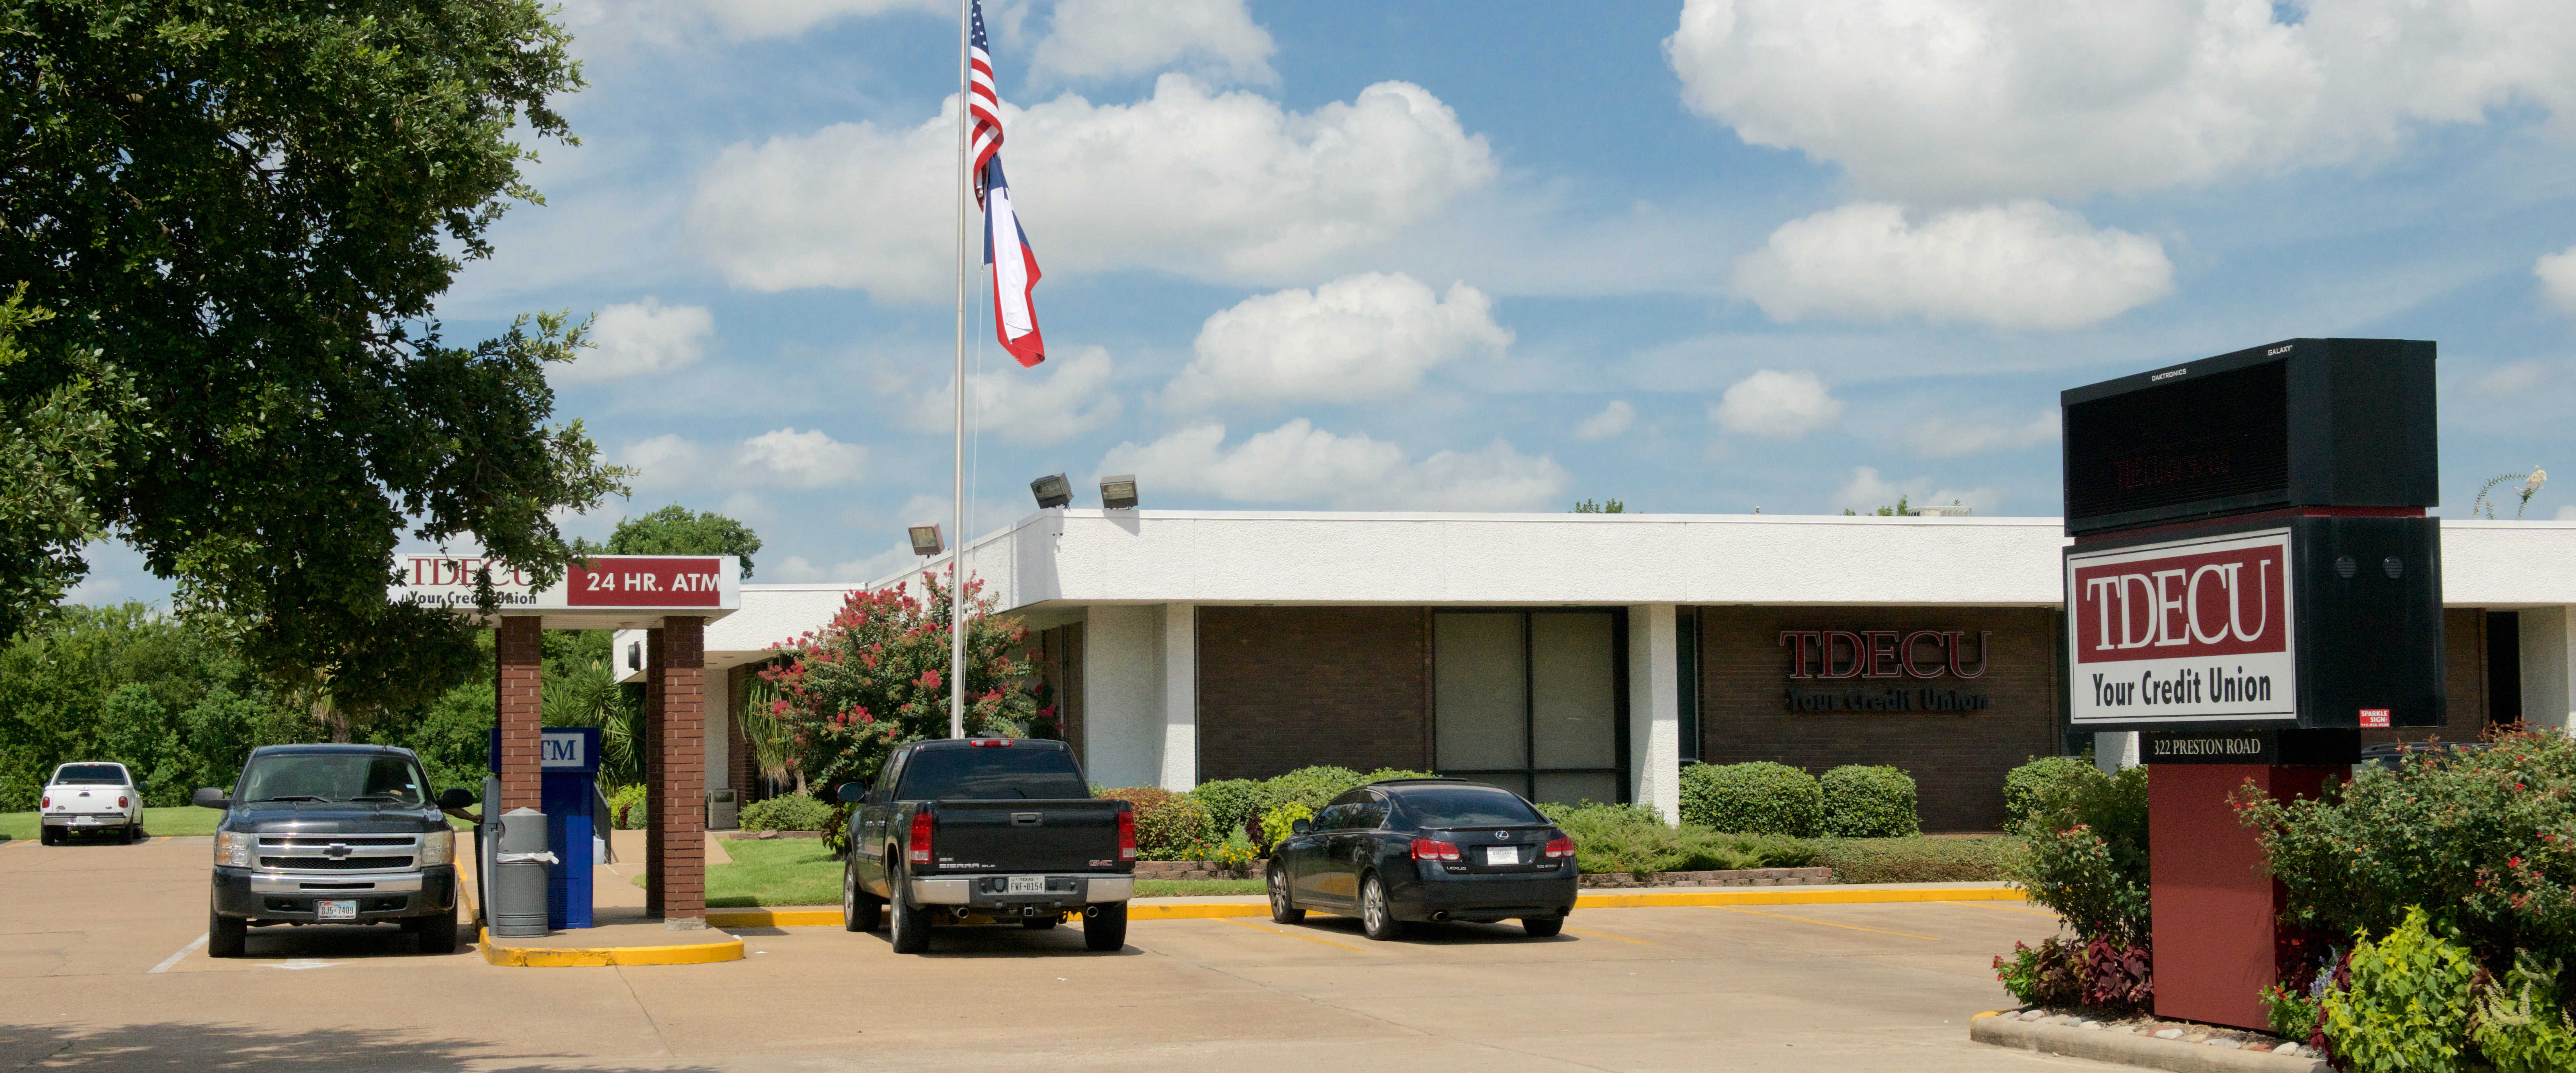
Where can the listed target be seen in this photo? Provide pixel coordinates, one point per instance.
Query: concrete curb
(570, 957)
(1149, 910)
(2132, 1050)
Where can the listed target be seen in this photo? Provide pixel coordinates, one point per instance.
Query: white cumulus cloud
(1110, 39)
(1774, 403)
(1214, 184)
(1938, 436)
(1301, 464)
(1613, 420)
(2026, 264)
(2557, 272)
(1976, 99)
(1364, 338)
(780, 458)
(641, 339)
(1063, 398)
(1866, 491)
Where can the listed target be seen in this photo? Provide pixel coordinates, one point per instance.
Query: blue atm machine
(568, 763)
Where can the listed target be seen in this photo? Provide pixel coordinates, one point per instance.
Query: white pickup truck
(90, 796)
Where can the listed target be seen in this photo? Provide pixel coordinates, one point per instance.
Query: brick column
(737, 746)
(520, 649)
(675, 713)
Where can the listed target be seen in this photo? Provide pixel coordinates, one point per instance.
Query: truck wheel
(1105, 928)
(437, 933)
(1283, 909)
(225, 936)
(860, 910)
(133, 833)
(911, 922)
(49, 836)
(1376, 920)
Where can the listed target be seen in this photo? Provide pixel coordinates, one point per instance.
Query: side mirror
(1300, 827)
(852, 793)
(210, 797)
(455, 798)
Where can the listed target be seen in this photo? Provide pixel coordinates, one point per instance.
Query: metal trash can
(518, 884)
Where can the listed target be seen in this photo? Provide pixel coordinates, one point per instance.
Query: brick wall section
(1282, 688)
(676, 846)
(738, 765)
(2464, 682)
(653, 689)
(520, 656)
(1958, 759)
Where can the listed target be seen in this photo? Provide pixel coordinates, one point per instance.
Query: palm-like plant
(2482, 507)
(591, 697)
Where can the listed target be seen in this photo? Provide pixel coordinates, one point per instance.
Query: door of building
(1533, 701)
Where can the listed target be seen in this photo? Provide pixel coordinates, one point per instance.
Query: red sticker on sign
(2374, 717)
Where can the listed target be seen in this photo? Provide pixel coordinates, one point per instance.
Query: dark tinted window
(334, 777)
(989, 773)
(90, 775)
(1368, 817)
(1466, 806)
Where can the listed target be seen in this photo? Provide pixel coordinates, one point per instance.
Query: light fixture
(1052, 490)
(925, 540)
(1119, 492)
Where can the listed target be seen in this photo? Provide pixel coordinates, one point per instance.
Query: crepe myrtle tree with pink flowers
(876, 677)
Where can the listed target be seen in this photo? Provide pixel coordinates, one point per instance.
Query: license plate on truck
(1028, 885)
(336, 909)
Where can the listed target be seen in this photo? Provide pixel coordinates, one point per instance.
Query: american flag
(1006, 247)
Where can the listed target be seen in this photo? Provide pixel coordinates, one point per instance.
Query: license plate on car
(1502, 855)
(1028, 884)
(335, 910)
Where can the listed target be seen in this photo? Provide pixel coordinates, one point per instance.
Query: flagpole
(957, 550)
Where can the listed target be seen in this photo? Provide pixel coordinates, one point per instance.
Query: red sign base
(2216, 905)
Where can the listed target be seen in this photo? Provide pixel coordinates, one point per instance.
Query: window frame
(1528, 774)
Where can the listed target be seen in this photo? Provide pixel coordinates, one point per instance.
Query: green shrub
(1167, 824)
(2024, 785)
(1632, 838)
(2050, 974)
(787, 812)
(1864, 801)
(2408, 1004)
(1919, 859)
(1313, 787)
(2522, 1023)
(1229, 802)
(2087, 835)
(2291, 1012)
(1756, 798)
(1280, 822)
(626, 807)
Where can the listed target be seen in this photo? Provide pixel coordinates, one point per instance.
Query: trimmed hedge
(2024, 786)
(787, 812)
(1632, 838)
(1920, 860)
(1167, 824)
(1869, 801)
(1759, 798)
(1229, 802)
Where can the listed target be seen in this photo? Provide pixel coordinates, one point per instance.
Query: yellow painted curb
(1643, 899)
(567, 957)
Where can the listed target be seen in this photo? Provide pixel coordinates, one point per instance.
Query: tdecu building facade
(1591, 656)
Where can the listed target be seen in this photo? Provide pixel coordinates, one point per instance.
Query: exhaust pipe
(1090, 912)
(1441, 916)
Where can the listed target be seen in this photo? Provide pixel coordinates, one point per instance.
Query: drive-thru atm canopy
(671, 598)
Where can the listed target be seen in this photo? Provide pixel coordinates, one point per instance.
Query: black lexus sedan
(1426, 849)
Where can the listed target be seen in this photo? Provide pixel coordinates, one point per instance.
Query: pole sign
(598, 583)
(2184, 631)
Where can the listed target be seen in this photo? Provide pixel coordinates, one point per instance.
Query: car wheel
(1376, 920)
(911, 922)
(1039, 923)
(860, 910)
(1542, 927)
(438, 933)
(225, 936)
(1283, 909)
(1104, 928)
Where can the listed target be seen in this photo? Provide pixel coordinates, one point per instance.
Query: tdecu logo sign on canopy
(2183, 630)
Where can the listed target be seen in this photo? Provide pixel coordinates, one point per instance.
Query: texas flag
(1006, 247)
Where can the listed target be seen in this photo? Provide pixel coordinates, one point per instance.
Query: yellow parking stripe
(1831, 924)
(1607, 935)
(1291, 934)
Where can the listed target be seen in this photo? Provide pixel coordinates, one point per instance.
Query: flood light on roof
(1119, 492)
(925, 540)
(1052, 490)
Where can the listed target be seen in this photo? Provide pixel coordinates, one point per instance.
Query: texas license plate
(1502, 855)
(335, 910)
(1028, 884)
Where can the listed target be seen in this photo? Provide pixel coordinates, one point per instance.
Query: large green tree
(231, 219)
(677, 530)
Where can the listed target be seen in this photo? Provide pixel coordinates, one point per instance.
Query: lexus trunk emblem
(1504, 835)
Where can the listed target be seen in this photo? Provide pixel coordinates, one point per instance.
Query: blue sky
(1700, 257)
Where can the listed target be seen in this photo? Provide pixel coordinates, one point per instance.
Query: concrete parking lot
(99, 969)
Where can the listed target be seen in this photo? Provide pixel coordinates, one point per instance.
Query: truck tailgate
(1076, 835)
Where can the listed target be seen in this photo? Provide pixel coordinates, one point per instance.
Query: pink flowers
(928, 680)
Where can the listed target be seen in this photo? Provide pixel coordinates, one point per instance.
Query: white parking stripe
(184, 951)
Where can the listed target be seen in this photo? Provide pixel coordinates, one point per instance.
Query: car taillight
(120, 802)
(1126, 836)
(1560, 847)
(981, 742)
(1425, 849)
(919, 851)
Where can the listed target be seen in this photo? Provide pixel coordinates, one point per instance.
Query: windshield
(89, 775)
(1467, 806)
(334, 777)
(990, 773)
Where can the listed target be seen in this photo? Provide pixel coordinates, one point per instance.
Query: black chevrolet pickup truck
(332, 834)
(972, 830)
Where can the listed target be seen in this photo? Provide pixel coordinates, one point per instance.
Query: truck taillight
(120, 802)
(44, 802)
(1425, 849)
(1126, 836)
(919, 851)
(988, 742)
(1560, 847)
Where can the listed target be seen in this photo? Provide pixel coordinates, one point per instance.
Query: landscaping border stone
(2050, 1036)
(1198, 870)
(1738, 877)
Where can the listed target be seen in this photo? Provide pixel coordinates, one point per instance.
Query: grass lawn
(1195, 888)
(800, 871)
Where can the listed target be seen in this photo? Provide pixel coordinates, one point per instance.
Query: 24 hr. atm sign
(2181, 632)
